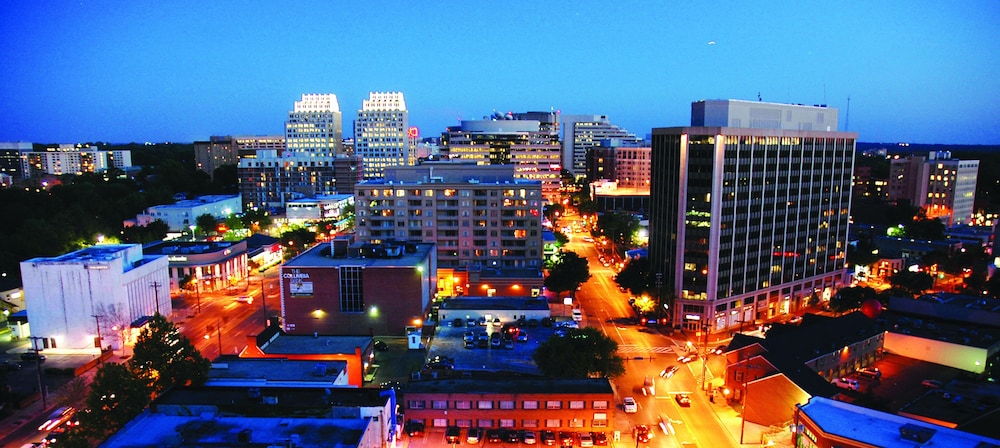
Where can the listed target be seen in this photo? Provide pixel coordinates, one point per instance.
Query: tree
(914, 283)
(297, 240)
(116, 397)
(619, 227)
(635, 276)
(567, 273)
(561, 238)
(582, 352)
(865, 253)
(164, 357)
(851, 298)
(205, 223)
(552, 212)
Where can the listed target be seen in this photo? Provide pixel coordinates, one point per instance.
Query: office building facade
(945, 187)
(10, 158)
(749, 223)
(380, 133)
(269, 181)
(217, 151)
(314, 127)
(581, 133)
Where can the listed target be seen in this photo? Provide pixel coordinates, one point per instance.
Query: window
(529, 423)
(576, 404)
(553, 423)
(484, 423)
(352, 299)
(463, 423)
(553, 405)
(439, 422)
(414, 404)
(463, 405)
(484, 405)
(600, 420)
(600, 404)
(576, 423)
(439, 404)
(529, 405)
(507, 404)
(506, 423)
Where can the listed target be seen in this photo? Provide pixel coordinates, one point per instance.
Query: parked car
(470, 336)
(32, 356)
(630, 405)
(548, 438)
(586, 440)
(522, 336)
(414, 428)
(64, 414)
(470, 344)
(493, 436)
(847, 383)
(508, 344)
(642, 433)
(600, 438)
(528, 438)
(381, 345)
(719, 350)
(511, 436)
(470, 322)
(871, 372)
(565, 438)
(474, 435)
(452, 434)
(683, 400)
(577, 314)
(495, 341)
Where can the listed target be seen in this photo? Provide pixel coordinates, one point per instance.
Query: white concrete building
(314, 126)
(117, 283)
(380, 133)
(73, 159)
(320, 208)
(183, 214)
(583, 132)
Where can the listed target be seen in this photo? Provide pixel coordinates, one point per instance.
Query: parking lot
(449, 341)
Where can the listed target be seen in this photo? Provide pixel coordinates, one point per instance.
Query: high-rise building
(749, 211)
(380, 133)
(478, 215)
(314, 126)
(627, 166)
(10, 158)
(529, 142)
(73, 159)
(583, 132)
(76, 297)
(943, 186)
(217, 151)
(247, 145)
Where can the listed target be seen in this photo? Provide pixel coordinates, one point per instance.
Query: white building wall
(968, 358)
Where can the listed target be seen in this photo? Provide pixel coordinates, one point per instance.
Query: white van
(577, 314)
(630, 405)
(847, 383)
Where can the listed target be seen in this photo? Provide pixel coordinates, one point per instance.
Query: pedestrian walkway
(627, 348)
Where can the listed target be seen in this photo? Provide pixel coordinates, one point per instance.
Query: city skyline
(184, 71)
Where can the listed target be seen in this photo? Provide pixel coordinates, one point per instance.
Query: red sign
(413, 132)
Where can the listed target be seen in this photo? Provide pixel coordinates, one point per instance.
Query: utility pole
(100, 343)
(38, 363)
(156, 294)
(263, 300)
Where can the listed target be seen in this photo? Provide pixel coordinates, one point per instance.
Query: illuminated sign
(176, 258)
(97, 267)
(692, 317)
(413, 132)
(295, 274)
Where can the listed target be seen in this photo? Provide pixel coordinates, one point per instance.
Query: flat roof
(882, 429)
(271, 369)
(322, 344)
(151, 429)
(511, 385)
(200, 200)
(495, 303)
(292, 398)
(319, 256)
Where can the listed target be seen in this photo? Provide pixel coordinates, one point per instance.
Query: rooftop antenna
(758, 97)
(847, 118)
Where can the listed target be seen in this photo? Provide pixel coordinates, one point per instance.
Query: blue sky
(915, 71)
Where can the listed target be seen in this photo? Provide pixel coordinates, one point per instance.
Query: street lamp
(192, 227)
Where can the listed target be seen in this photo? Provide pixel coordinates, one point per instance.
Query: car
(508, 344)
(380, 345)
(528, 438)
(588, 239)
(586, 440)
(642, 433)
(414, 428)
(719, 350)
(577, 314)
(568, 324)
(493, 436)
(32, 356)
(511, 436)
(565, 438)
(548, 438)
(522, 336)
(470, 344)
(548, 322)
(932, 384)
(470, 322)
(456, 323)
(483, 343)
(533, 323)
(652, 319)
(482, 321)
(871, 372)
(630, 405)
(847, 383)
(12, 365)
(474, 435)
(59, 416)
(496, 321)
(245, 299)
(600, 438)
(683, 400)
(669, 371)
(470, 336)
(687, 357)
(495, 340)
(649, 386)
(452, 434)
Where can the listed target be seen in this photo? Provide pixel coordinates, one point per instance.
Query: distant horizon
(182, 71)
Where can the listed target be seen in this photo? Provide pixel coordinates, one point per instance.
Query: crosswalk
(642, 349)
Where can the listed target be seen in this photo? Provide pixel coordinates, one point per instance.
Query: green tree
(206, 223)
(914, 283)
(635, 276)
(851, 298)
(567, 273)
(297, 240)
(154, 231)
(619, 227)
(116, 397)
(552, 212)
(865, 253)
(165, 358)
(561, 238)
(581, 353)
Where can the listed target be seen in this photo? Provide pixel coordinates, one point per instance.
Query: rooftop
(201, 200)
(495, 303)
(319, 344)
(247, 371)
(398, 254)
(882, 429)
(520, 385)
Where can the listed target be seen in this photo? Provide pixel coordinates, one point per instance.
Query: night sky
(915, 71)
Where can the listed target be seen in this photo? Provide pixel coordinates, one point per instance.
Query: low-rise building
(506, 309)
(356, 351)
(212, 265)
(553, 404)
(181, 215)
